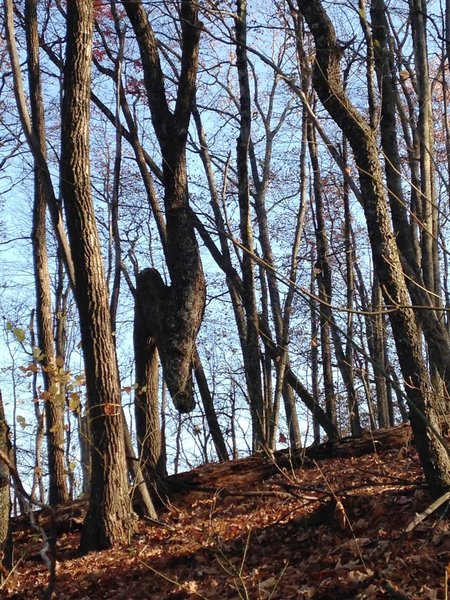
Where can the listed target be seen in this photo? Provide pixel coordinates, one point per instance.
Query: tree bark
(323, 275)
(251, 347)
(55, 396)
(108, 515)
(421, 285)
(175, 336)
(433, 455)
(148, 428)
(34, 143)
(6, 545)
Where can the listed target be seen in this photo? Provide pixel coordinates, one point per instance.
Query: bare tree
(422, 400)
(54, 402)
(173, 314)
(107, 518)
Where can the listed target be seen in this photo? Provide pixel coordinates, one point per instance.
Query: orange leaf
(110, 409)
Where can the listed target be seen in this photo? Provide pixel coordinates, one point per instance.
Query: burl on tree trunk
(174, 323)
(173, 314)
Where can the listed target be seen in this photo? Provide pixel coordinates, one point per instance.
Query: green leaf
(74, 401)
(38, 355)
(19, 334)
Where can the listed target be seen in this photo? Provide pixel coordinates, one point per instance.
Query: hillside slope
(328, 529)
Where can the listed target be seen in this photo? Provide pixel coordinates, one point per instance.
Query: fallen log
(247, 472)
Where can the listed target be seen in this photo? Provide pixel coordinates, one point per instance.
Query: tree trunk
(347, 361)
(433, 454)
(235, 283)
(377, 347)
(108, 514)
(251, 349)
(148, 428)
(428, 213)
(433, 324)
(54, 400)
(6, 546)
(323, 275)
(210, 411)
(35, 144)
(182, 303)
(310, 401)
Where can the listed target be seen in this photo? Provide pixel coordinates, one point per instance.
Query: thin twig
(423, 515)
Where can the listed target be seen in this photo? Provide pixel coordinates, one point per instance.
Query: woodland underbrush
(337, 528)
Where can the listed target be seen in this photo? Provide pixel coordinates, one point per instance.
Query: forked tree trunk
(173, 313)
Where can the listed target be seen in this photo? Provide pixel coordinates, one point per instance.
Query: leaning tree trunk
(433, 455)
(174, 313)
(107, 517)
(34, 142)
(431, 321)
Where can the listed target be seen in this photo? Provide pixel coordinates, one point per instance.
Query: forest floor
(327, 529)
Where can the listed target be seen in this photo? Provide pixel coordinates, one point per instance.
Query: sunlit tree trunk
(108, 514)
(148, 427)
(38, 473)
(34, 142)
(377, 347)
(6, 546)
(422, 402)
(54, 388)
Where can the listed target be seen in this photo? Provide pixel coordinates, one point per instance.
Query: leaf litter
(335, 528)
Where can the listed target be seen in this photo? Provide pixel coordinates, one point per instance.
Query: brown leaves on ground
(334, 529)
